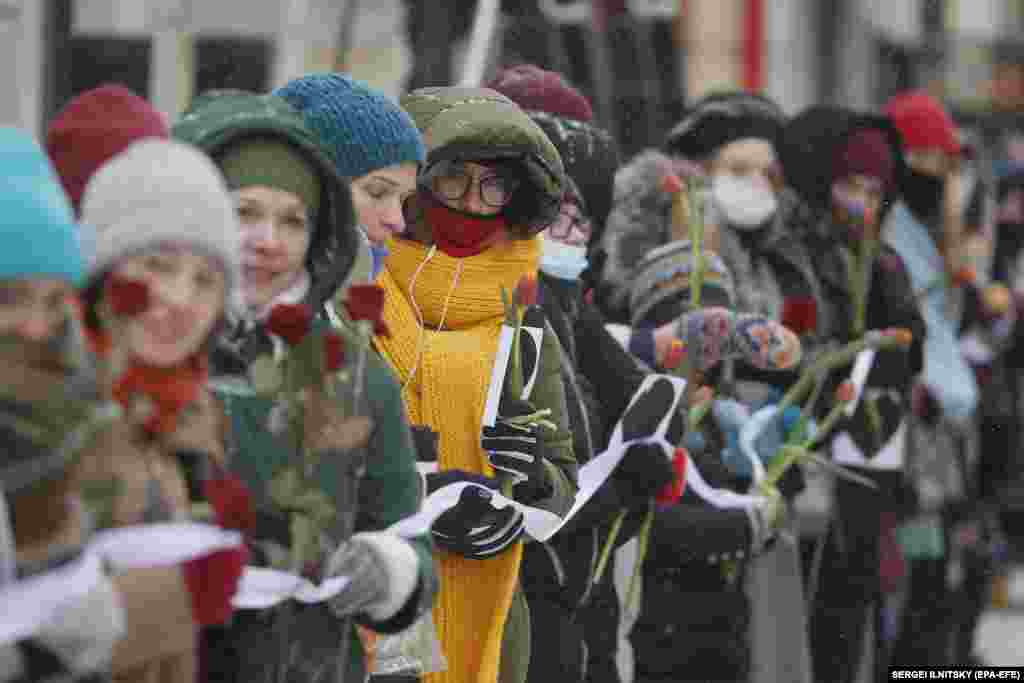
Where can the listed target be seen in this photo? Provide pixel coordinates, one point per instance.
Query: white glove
(383, 571)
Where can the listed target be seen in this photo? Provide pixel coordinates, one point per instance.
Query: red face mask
(461, 234)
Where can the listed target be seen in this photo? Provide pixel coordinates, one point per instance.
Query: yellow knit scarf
(448, 389)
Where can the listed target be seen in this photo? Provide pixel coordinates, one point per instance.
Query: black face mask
(923, 194)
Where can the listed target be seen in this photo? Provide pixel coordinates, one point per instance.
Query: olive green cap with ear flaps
(477, 124)
(217, 122)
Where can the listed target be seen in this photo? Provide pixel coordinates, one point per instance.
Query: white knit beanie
(163, 191)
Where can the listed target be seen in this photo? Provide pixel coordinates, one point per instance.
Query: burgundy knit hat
(866, 152)
(923, 122)
(535, 89)
(95, 126)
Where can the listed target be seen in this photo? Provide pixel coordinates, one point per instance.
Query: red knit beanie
(535, 89)
(95, 126)
(866, 152)
(923, 122)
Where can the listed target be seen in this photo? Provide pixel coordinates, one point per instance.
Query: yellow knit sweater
(451, 370)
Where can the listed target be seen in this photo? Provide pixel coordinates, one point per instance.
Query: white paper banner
(890, 457)
(541, 524)
(859, 377)
(262, 588)
(30, 603)
(501, 359)
(160, 545)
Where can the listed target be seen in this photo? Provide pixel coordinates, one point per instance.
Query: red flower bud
(964, 277)
(231, 502)
(800, 314)
(526, 290)
(846, 392)
(671, 492)
(366, 302)
(290, 322)
(334, 352)
(902, 335)
(996, 301)
(675, 355)
(890, 263)
(701, 396)
(128, 297)
(924, 404)
(671, 184)
(588, 297)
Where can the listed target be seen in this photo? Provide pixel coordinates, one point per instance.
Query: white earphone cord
(420, 346)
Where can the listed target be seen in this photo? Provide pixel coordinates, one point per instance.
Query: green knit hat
(272, 163)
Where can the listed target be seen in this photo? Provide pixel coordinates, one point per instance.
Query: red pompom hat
(95, 126)
(923, 122)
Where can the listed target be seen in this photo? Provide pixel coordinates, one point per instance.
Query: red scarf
(169, 390)
(461, 234)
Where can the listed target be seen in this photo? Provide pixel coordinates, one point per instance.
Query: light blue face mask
(378, 252)
(561, 260)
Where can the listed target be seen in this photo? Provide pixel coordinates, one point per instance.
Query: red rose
(366, 302)
(800, 314)
(128, 297)
(846, 392)
(675, 355)
(334, 352)
(964, 277)
(290, 322)
(902, 335)
(526, 290)
(671, 184)
(231, 502)
(671, 492)
(924, 404)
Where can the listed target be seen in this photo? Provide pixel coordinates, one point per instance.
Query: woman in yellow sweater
(491, 182)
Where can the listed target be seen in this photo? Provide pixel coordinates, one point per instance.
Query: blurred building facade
(641, 60)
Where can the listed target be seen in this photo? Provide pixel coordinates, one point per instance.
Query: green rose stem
(641, 554)
(606, 551)
(896, 338)
(695, 416)
(694, 187)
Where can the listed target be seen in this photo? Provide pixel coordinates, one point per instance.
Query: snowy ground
(1000, 636)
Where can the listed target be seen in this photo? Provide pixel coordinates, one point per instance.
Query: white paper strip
(262, 588)
(890, 457)
(30, 603)
(859, 377)
(537, 334)
(501, 359)
(157, 545)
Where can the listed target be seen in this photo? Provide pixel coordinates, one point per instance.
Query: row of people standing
(453, 190)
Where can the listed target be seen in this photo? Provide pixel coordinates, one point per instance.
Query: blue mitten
(730, 416)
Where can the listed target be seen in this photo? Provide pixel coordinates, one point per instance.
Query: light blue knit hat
(38, 233)
(362, 130)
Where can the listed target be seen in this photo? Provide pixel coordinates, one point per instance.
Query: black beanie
(719, 119)
(590, 156)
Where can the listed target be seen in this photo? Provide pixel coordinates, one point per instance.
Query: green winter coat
(390, 488)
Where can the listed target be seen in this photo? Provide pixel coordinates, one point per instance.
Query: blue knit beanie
(361, 129)
(38, 234)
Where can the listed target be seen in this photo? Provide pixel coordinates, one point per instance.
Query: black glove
(514, 451)
(643, 418)
(476, 529)
(792, 483)
(424, 439)
(643, 471)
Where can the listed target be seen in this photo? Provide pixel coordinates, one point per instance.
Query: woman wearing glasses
(490, 183)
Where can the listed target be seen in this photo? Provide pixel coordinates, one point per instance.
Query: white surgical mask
(561, 260)
(743, 203)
